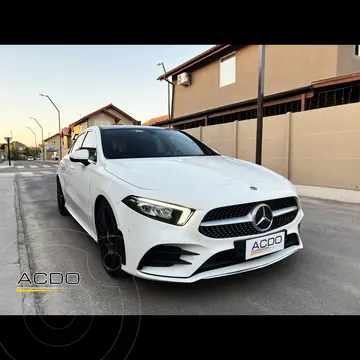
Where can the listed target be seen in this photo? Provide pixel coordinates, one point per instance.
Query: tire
(110, 240)
(60, 199)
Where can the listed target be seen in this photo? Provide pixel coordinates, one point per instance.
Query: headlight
(158, 210)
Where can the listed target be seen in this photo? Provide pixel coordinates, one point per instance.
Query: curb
(336, 201)
(28, 299)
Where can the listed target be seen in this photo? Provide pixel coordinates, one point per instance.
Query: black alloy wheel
(60, 199)
(110, 239)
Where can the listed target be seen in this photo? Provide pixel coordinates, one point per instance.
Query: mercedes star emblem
(262, 217)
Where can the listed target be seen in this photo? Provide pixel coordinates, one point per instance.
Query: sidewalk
(10, 301)
(13, 254)
(6, 166)
(349, 196)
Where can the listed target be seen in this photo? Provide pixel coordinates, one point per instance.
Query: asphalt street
(34, 166)
(323, 278)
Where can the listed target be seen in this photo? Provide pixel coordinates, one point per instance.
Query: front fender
(111, 188)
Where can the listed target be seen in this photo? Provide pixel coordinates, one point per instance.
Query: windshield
(143, 143)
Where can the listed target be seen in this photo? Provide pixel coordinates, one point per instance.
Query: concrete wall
(317, 148)
(325, 147)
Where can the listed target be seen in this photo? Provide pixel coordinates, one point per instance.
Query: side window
(77, 143)
(90, 144)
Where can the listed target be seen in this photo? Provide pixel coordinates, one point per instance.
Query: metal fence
(332, 96)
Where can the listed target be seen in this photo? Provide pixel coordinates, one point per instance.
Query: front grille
(232, 257)
(232, 211)
(246, 228)
(164, 256)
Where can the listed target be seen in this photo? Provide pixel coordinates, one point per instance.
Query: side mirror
(81, 156)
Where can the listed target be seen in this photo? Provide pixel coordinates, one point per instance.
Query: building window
(357, 50)
(227, 70)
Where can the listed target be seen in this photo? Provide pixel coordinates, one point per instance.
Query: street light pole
(260, 106)
(163, 66)
(11, 135)
(42, 137)
(35, 139)
(60, 157)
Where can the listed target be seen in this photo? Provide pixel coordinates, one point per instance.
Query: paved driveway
(323, 278)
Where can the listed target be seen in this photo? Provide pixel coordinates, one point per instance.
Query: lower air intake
(230, 257)
(164, 256)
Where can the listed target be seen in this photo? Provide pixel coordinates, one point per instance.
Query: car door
(67, 170)
(82, 176)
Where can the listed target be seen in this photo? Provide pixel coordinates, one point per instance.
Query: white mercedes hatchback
(164, 206)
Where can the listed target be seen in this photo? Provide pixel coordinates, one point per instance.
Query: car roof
(129, 127)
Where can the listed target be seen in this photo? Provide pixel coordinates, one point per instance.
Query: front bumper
(142, 234)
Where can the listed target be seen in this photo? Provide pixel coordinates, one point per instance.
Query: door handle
(72, 168)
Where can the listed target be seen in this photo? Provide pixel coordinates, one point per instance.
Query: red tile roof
(105, 110)
(155, 120)
(65, 131)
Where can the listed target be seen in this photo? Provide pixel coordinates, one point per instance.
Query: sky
(81, 79)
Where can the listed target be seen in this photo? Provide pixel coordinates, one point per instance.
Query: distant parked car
(30, 158)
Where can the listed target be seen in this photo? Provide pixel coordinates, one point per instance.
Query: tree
(14, 153)
(33, 152)
(30, 151)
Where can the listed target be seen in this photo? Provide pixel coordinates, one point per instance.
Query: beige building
(51, 145)
(65, 136)
(20, 147)
(224, 80)
(52, 142)
(311, 108)
(107, 115)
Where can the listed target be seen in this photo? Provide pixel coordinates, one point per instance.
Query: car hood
(196, 172)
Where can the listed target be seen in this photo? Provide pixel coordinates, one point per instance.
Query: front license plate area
(264, 245)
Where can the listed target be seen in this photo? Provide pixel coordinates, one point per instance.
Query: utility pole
(163, 66)
(260, 106)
